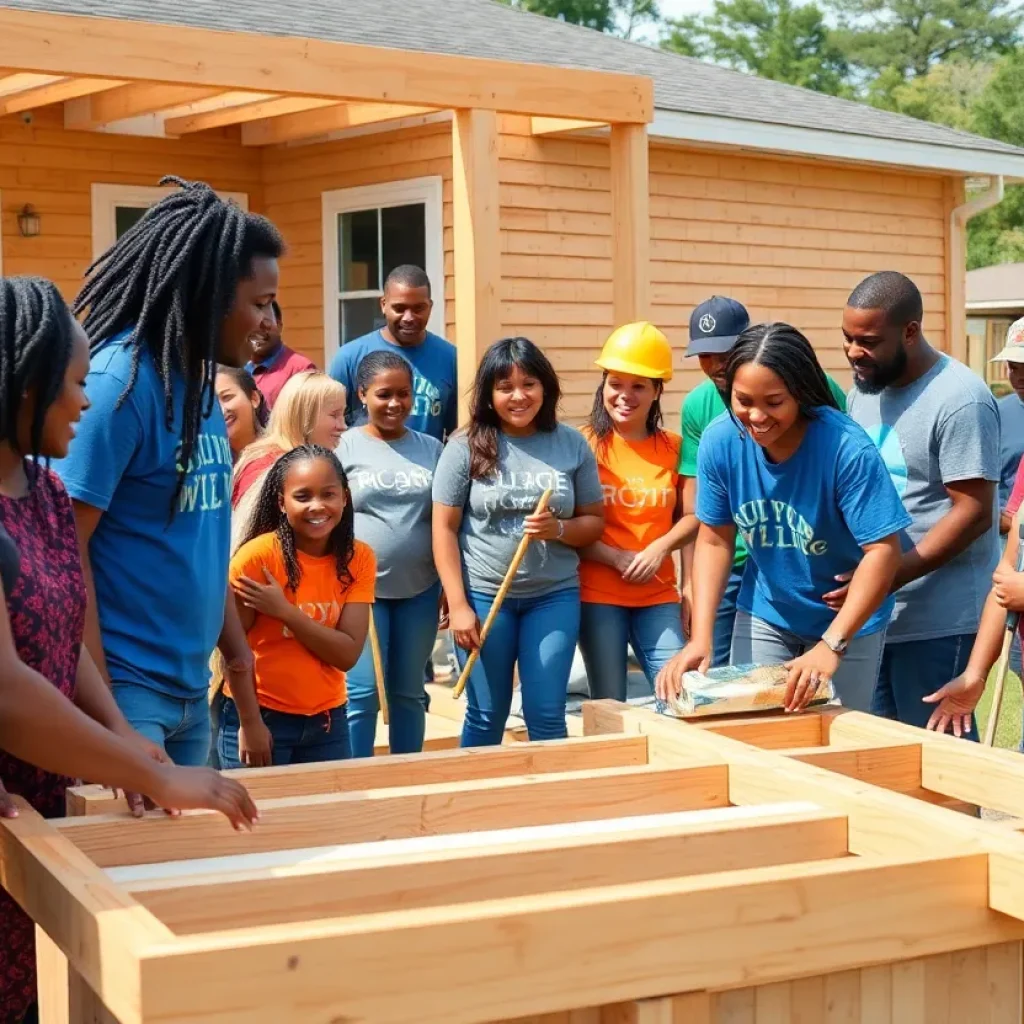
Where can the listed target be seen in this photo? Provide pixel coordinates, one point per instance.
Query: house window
(367, 232)
(116, 208)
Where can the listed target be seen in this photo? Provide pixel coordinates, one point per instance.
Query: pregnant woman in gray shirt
(488, 482)
(390, 473)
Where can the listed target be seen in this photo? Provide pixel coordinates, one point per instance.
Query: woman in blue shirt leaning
(815, 505)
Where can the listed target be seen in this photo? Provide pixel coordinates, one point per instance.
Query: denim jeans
(757, 642)
(655, 633)
(911, 671)
(298, 739)
(216, 706)
(407, 629)
(180, 725)
(725, 620)
(540, 634)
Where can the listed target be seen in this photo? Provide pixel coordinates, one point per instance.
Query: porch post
(631, 230)
(477, 241)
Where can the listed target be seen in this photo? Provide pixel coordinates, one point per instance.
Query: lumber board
(631, 225)
(462, 764)
(701, 842)
(894, 766)
(401, 812)
(769, 732)
(638, 940)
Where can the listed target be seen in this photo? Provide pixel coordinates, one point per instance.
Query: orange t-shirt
(640, 481)
(289, 677)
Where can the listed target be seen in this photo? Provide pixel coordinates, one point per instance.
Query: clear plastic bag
(736, 689)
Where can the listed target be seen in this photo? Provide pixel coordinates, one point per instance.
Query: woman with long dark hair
(487, 484)
(243, 405)
(815, 504)
(627, 578)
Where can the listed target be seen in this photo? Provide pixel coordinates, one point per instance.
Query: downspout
(957, 266)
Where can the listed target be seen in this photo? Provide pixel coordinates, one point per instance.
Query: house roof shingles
(485, 28)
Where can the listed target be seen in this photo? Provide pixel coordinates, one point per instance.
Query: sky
(676, 8)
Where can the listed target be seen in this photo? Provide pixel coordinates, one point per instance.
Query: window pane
(126, 217)
(359, 317)
(404, 236)
(358, 258)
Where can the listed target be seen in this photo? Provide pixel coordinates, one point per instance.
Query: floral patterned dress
(47, 613)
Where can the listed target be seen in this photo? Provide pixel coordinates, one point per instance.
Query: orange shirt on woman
(289, 677)
(639, 480)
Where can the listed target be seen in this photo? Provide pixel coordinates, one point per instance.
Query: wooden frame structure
(748, 871)
(109, 71)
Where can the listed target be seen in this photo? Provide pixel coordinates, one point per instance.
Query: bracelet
(561, 529)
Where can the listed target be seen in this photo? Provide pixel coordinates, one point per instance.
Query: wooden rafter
(314, 123)
(243, 113)
(14, 82)
(56, 92)
(64, 45)
(130, 101)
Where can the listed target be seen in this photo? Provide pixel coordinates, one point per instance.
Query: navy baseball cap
(715, 325)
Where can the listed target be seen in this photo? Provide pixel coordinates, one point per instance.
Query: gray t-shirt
(391, 483)
(942, 428)
(494, 509)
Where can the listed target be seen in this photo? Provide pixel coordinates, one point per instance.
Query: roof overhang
(1013, 306)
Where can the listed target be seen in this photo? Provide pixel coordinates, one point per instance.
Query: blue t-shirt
(435, 409)
(1011, 443)
(804, 520)
(161, 582)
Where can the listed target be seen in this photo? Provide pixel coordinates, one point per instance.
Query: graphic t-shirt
(942, 428)
(289, 677)
(435, 408)
(703, 405)
(494, 509)
(639, 480)
(161, 579)
(391, 484)
(805, 520)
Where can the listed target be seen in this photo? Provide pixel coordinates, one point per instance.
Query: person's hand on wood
(956, 703)
(541, 526)
(137, 803)
(180, 789)
(808, 672)
(267, 598)
(644, 565)
(465, 627)
(669, 683)
(1008, 587)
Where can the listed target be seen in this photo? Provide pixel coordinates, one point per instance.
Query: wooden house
(552, 180)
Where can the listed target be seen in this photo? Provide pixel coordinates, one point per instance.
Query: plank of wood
(631, 230)
(559, 125)
(278, 130)
(56, 92)
(404, 811)
(130, 101)
(564, 859)
(243, 114)
(464, 764)
(135, 50)
(1003, 989)
(894, 766)
(876, 995)
(745, 927)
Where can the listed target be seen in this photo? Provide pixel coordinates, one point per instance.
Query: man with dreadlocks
(150, 471)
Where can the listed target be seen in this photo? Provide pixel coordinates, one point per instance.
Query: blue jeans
(540, 633)
(407, 629)
(216, 706)
(756, 642)
(180, 725)
(298, 739)
(725, 619)
(655, 633)
(911, 671)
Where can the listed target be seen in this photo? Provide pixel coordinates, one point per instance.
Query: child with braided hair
(182, 291)
(304, 586)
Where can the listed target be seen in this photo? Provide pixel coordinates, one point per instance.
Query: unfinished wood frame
(655, 871)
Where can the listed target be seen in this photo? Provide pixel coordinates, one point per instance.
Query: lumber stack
(745, 871)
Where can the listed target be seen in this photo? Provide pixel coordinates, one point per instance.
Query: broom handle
(378, 668)
(542, 506)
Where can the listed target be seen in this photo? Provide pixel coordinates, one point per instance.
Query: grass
(1008, 733)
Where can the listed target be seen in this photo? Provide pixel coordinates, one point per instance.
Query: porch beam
(475, 207)
(294, 127)
(561, 125)
(631, 233)
(244, 113)
(137, 100)
(56, 92)
(13, 82)
(63, 45)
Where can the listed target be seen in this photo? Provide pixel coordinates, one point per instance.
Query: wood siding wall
(54, 170)
(789, 238)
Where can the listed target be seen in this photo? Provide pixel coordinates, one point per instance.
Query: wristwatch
(837, 646)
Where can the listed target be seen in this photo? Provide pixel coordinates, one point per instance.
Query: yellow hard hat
(640, 349)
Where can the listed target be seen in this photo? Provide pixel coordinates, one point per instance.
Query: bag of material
(737, 689)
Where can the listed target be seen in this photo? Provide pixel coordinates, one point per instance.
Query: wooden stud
(477, 242)
(631, 231)
(16, 82)
(894, 766)
(244, 113)
(956, 270)
(64, 45)
(56, 92)
(93, 112)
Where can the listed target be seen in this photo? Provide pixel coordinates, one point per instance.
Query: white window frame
(107, 198)
(426, 190)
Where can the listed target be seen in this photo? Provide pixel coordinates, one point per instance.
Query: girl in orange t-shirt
(304, 586)
(628, 587)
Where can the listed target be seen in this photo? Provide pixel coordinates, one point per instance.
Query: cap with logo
(1013, 350)
(715, 325)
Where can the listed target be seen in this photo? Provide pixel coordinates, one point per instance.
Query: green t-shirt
(704, 404)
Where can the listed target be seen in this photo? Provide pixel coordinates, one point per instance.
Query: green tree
(947, 94)
(622, 17)
(772, 38)
(998, 111)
